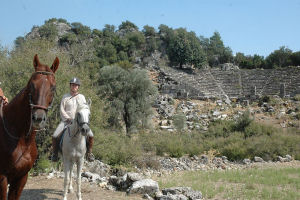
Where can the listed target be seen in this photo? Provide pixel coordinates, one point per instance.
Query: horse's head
(82, 118)
(41, 90)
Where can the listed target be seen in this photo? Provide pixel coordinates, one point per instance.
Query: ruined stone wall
(218, 83)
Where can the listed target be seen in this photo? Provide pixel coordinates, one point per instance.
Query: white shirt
(69, 105)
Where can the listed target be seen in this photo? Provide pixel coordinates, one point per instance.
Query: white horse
(74, 148)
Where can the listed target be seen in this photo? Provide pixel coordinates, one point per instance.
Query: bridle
(80, 125)
(32, 106)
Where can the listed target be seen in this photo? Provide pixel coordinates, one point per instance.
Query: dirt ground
(41, 188)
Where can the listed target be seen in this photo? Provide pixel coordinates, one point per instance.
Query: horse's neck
(17, 114)
(74, 128)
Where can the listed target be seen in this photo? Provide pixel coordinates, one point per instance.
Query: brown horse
(19, 122)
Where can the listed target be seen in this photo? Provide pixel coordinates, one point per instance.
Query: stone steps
(233, 83)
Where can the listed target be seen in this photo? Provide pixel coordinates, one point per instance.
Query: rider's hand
(5, 100)
(69, 121)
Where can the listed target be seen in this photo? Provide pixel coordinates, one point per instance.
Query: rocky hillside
(202, 95)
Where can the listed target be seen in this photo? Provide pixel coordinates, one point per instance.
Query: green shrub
(263, 99)
(115, 148)
(43, 164)
(234, 147)
(220, 128)
(243, 122)
(175, 148)
(297, 116)
(297, 97)
(256, 129)
(179, 121)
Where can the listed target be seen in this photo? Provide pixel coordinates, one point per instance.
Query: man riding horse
(68, 106)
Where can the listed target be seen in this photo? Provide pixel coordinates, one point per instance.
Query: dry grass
(269, 181)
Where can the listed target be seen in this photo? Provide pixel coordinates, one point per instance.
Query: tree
(48, 31)
(54, 20)
(216, 51)
(149, 31)
(128, 26)
(166, 34)
(185, 48)
(107, 52)
(180, 49)
(19, 41)
(108, 29)
(249, 62)
(80, 30)
(136, 42)
(279, 58)
(198, 57)
(151, 39)
(68, 38)
(295, 58)
(258, 61)
(129, 95)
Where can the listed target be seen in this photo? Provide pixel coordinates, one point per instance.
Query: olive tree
(129, 95)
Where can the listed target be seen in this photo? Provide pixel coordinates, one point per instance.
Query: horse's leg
(16, 188)
(79, 168)
(70, 187)
(67, 177)
(3, 187)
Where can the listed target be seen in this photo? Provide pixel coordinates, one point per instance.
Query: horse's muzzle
(39, 118)
(85, 129)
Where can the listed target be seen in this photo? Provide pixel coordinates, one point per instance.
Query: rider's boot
(54, 157)
(89, 155)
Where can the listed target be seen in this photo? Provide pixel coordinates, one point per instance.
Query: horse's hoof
(54, 158)
(90, 157)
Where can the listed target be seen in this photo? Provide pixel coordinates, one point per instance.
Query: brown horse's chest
(22, 160)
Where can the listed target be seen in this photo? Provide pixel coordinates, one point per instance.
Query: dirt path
(41, 188)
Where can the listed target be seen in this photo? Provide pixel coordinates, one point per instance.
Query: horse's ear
(89, 102)
(36, 62)
(55, 64)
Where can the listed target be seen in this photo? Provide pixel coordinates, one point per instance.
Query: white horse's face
(83, 118)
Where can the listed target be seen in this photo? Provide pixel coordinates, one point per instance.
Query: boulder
(145, 186)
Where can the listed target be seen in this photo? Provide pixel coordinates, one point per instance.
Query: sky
(246, 26)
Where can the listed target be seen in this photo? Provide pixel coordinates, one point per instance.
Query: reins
(79, 124)
(74, 135)
(4, 126)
